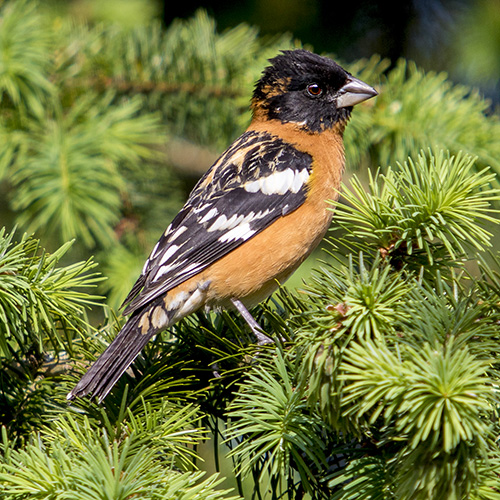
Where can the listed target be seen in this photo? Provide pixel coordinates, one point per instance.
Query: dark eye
(314, 90)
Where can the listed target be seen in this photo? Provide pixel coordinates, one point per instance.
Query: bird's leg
(262, 338)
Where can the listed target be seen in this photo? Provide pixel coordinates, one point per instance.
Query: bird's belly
(254, 270)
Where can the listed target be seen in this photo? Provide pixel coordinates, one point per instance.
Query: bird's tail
(144, 323)
(115, 360)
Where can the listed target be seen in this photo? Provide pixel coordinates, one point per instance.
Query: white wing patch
(300, 178)
(161, 271)
(240, 228)
(281, 182)
(153, 253)
(167, 269)
(152, 256)
(218, 224)
(222, 223)
(191, 267)
(242, 231)
(209, 215)
(177, 233)
(168, 253)
(197, 210)
(233, 221)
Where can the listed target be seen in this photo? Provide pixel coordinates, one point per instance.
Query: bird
(254, 216)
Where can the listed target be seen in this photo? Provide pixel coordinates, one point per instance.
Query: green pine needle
(274, 431)
(40, 304)
(436, 201)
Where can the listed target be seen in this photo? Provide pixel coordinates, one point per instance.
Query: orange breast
(250, 271)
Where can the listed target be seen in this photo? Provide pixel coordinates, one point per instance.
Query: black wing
(257, 180)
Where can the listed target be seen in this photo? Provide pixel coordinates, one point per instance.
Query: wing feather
(259, 179)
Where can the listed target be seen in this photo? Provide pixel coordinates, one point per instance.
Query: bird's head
(308, 90)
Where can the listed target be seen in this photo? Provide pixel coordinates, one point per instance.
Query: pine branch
(43, 308)
(73, 459)
(274, 432)
(67, 176)
(416, 110)
(433, 206)
(24, 44)
(40, 307)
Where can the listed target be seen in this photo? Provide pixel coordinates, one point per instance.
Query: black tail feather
(103, 374)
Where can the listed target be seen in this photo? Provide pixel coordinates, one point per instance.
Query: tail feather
(155, 316)
(120, 354)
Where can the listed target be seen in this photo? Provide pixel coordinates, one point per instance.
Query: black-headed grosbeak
(255, 215)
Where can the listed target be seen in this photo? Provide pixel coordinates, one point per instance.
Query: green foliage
(275, 431)
(39, 306)
(384, 379)
(366, 478)
(42, 315)
(24, 45)
(424, 390)
(67, 150)
(67, 179)
(417, 110)
(431, 208)
(71, 459)
(399, 358)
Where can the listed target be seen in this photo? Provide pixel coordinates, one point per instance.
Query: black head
(311, 91)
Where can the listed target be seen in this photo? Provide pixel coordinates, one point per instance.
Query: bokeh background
(110, 110)
(461, 37)
(97, 58)
(458, 37)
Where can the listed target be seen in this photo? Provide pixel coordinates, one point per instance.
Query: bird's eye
(314, 90)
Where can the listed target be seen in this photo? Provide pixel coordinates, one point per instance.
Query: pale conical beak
(354, 92)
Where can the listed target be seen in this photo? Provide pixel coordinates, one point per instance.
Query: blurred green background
(459, 37)
(111, 110)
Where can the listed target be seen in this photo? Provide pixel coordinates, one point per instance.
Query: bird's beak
(354, 92)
